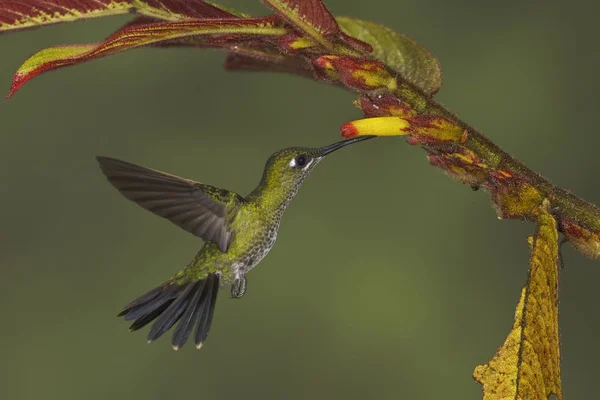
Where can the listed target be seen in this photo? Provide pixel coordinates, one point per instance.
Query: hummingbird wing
(200, 209)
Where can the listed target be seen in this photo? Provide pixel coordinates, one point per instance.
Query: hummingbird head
(286, 169)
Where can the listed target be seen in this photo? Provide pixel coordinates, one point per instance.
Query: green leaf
(413, 62)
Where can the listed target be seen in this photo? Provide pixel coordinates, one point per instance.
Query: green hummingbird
(238, 232)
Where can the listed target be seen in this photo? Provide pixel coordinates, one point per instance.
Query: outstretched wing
(200, 209)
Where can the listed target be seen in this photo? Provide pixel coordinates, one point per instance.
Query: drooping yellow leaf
(413, 62)
(527, 366)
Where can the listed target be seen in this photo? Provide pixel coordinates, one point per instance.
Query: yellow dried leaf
(527, 366)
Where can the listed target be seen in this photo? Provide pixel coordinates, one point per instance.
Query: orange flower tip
(349, 130)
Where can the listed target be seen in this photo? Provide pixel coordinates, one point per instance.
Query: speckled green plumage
(255, 220)
(238, 234)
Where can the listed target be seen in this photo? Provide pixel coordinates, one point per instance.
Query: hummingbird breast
(255, 233)
(257, 252)
(256, 240)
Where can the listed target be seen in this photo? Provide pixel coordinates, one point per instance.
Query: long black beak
(336, 146)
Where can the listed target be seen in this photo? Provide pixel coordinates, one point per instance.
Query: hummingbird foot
(238, 287)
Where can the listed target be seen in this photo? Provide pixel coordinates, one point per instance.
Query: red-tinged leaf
(177, 10)
(22, 14)
(297, 43)
(246, 59)
(180, 10)
(32, 13)
(221, 30)
(413, 62)
(309, 17)
(359, 45)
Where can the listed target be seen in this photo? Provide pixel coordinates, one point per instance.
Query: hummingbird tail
(190, 303)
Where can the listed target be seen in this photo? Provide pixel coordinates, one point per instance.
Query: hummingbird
(238, 232)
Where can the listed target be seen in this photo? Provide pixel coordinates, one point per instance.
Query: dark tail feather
(192, 303)
(189, 317)
(147, 318)
(164, 297)
(151, 295)
(171, 315)
(205, 312)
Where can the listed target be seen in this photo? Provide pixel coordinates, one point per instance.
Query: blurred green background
(389, 280)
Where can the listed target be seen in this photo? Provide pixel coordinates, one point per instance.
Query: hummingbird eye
(300, 160)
